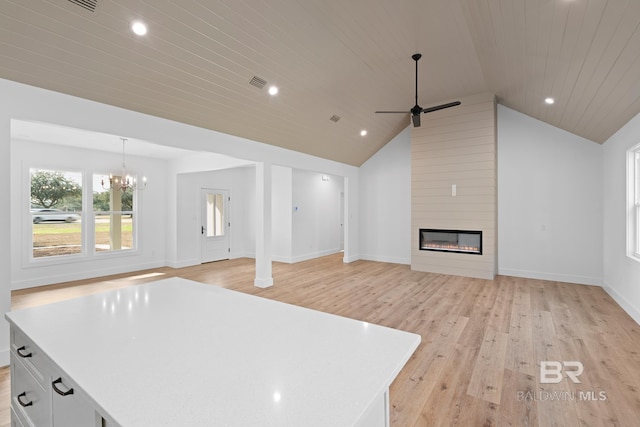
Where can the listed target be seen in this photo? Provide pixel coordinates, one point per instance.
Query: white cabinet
(23, 349)
(28, 398)
(69, 407)
(15, 420)
(311, 365)
(40, 395)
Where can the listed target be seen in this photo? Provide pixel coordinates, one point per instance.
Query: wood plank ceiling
(348, 58)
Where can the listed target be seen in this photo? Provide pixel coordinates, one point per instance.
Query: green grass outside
(57, 228)
(75, 228)
(127, 227)
(59, 238)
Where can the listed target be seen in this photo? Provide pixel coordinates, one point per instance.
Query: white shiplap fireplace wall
(456, 146)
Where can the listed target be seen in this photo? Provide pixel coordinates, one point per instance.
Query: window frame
(88, 251)
(134, 223)
(30, 260)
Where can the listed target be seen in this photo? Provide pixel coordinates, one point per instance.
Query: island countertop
(177, 352)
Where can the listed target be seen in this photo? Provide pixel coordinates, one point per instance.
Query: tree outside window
(57, 219)
(56, 212)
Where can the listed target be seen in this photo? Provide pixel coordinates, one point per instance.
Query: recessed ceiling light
(363, 132)
(273, 90)
(549, 100)
(139, 28)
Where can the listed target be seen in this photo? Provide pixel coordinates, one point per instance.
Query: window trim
(134, 212)
(88, 252)
(134, 235)
(29, 260)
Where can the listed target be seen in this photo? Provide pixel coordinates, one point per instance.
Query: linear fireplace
(457, 241)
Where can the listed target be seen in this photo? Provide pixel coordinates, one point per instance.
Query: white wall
(621, 273)
(316, 215)
(281, 215)
(151, 215)
(547, 178)
(550, 215)
(29, 103)
(5, 226)
(239, 182)
(385, 202)
(305, 214)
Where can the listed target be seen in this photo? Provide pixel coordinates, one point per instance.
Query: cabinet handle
(24, 404)
(21, 354)
(57, 390)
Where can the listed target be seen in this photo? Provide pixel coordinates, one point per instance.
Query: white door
(214, 229)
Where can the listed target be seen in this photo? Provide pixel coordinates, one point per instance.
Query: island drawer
(27, 352)
(16, 421)
(29, 399)
(69, 407)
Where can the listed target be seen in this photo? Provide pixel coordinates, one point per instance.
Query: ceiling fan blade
(417, 110)
(440, 107)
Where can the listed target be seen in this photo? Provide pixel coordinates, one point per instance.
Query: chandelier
(124, 181)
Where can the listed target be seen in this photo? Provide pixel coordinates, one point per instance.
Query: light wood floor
(482, 341)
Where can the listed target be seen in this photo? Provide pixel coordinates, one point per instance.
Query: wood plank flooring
(482, 341)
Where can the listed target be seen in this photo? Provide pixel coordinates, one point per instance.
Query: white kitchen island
(180, 353)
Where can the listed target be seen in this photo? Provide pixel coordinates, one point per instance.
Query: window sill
(634, 257)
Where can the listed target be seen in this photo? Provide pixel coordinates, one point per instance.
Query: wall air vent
(257, 82)
(334, 118)
(89, 5)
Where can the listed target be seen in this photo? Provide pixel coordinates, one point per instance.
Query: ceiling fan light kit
(417, 109)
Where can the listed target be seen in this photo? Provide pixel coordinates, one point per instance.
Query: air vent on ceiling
(90, 5)
(258, 82)
(334, 118)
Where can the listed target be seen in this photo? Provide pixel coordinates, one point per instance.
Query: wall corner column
(264, 250)
(5, 226)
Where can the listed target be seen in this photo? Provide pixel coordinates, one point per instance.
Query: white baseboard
(196, 261)
(236, 255)
(623, 302)
(313, 255)
(305, 257)
(389, 259)
(88, 274)
(554, 277)
(348, 259)
(263, 282)
(184, 263)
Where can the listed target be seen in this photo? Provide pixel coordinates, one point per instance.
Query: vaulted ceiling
(331, 57)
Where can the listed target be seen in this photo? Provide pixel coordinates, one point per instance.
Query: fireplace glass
(457, 241)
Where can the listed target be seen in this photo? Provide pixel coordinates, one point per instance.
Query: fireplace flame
(450, 247)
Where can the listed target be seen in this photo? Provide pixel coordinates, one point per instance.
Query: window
(215, 215)
(56, 213)
(61, 231)
(633, 227)
(113, 217)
